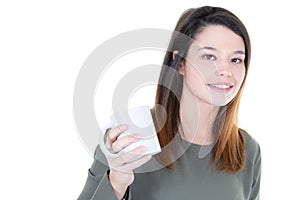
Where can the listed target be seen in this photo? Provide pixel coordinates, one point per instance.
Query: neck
(196, 119)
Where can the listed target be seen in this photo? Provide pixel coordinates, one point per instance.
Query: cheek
(194, 75)
(196, 81)
(239, 75)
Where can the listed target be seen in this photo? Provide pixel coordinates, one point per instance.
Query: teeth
(222, 86)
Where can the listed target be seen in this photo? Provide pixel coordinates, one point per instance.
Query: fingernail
(135, 136)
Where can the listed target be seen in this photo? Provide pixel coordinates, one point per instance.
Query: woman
(204, 154)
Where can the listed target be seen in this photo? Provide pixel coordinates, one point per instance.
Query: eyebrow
(214, 49)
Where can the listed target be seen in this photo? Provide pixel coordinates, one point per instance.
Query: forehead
(219, 37)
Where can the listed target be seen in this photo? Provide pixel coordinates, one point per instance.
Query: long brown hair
(228, 153)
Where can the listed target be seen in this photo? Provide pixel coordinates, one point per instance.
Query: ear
(175, 53)
(180, 67)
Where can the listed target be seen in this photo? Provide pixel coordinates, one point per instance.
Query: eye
(236, 60)
(209, 57)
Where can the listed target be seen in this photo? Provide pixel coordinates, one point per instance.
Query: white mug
(139, 122)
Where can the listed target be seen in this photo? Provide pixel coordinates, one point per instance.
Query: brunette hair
(228, 153)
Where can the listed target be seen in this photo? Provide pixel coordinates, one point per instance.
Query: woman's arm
(97, 185)
(109, 177)
(254, 195)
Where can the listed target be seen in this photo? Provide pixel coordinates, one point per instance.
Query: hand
(121, 167)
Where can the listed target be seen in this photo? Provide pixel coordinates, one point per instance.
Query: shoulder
(251, 174)
(252, 147)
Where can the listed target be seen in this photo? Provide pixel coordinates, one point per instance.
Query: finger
(123, 142)
(128, 156)
(115, 132)
(129, 167)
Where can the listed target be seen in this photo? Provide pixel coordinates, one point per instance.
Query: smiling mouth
(221, 87)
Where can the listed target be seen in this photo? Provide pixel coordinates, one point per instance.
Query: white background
(43, 45)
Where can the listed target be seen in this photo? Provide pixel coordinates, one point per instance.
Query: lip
(222, 84)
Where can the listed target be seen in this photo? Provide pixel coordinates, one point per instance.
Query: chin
(220, 102)
(215, 101)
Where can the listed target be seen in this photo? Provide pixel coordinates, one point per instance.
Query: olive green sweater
(193, 177)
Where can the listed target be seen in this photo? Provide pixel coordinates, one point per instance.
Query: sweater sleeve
(97, 185)
(254, 195)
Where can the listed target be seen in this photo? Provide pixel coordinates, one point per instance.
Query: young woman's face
(214, 68)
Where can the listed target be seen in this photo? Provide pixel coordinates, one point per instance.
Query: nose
(223, 69)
